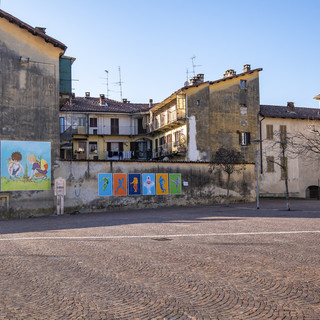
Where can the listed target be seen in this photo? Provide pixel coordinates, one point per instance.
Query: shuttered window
(284, 167)
(270, 164)
(269, 131)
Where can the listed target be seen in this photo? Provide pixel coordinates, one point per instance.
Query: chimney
(290, 107)
(198, 79)
(150, 103)
(41, 29)
(246, 68)
(229, 73)
(87, 95)
(102, 100)
(124, 100)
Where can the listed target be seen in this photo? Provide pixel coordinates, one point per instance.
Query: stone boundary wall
(202, 188)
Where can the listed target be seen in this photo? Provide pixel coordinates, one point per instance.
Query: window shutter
(120, 146)
(248, 138)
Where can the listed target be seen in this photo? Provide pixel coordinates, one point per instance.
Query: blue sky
(153, 42)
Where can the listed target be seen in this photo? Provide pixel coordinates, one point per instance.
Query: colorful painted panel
(148, 183)
(134, 186)
(175, 183)
(25, 165)
(120, 184)
(162, 186)
(105, 184)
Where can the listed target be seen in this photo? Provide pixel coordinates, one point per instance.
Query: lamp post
(257, 171)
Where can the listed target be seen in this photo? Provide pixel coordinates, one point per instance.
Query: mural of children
(39, 168)
(120, 185)
(14, 165)
(135, 184)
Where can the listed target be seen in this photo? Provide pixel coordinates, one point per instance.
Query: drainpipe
(187, 127)
(260, 142)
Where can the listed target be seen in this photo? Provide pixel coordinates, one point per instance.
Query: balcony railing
(167, 118)
(114, 155)
(169, 150)
(105, 130)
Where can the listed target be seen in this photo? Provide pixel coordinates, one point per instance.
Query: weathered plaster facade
(303, 170)
(233, 113)
(203, 188)
(29, 83)
(221, 113)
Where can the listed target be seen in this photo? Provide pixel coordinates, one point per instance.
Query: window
(244, 138)
(93, 147)
(116, 149)
(62, 129)
(156, 146)
(270, 164)
(243, 84)
(114, 126)
(82, 122)
(94, 122)
(140, 126)
(283, 134)
(284, 167)
(243, 115)
(177, 138)
(82, 147)
(269, 131)
(114, 146)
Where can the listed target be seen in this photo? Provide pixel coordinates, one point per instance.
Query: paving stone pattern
(244, 276)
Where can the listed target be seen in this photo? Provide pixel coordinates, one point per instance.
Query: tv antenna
(120, 83)
(187, 81)
(107, 72)
(194, 65)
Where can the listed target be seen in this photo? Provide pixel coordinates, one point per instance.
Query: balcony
(105, 130)
(169, 120)
(114, 156)
(170, 150)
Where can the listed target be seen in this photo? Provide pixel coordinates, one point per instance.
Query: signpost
(60, 191)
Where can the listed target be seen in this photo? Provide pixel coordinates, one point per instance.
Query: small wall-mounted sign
(185, 183)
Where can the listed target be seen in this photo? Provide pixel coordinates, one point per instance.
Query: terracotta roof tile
(91, 104)
(32, 30)
(284, 112)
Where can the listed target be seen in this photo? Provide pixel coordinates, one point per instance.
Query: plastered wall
(198, 188)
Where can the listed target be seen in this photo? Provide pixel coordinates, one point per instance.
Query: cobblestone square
(212, 262)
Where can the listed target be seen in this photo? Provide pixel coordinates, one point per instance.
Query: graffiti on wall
(136, 184)
(25, 165)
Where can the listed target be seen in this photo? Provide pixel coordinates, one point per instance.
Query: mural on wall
(149, 184)
(122, 184)
(175, 183)
(134, 182)
(119, 184)
(162, 186)
(25, 165)
(105, 184)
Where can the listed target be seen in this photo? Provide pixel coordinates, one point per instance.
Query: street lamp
(257, 171)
